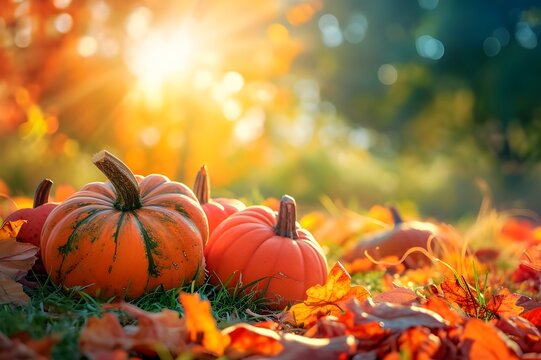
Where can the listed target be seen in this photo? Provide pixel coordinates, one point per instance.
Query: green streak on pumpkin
(150, 248)
(117, 232)
(181, 210)
(68, 247)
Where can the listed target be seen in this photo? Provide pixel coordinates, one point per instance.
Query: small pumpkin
(258, 244)
(126, 236)
(217, 209)
(396, 242)
(35, 216)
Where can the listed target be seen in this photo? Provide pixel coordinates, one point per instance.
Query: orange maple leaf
(327, 299)
(483, 341)
(248, 340)
(505, 303)
(201, 325)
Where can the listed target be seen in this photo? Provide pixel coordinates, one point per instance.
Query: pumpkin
(35, 216)
(271, 249)
(396, 242)
(126, 236)
(218, 209)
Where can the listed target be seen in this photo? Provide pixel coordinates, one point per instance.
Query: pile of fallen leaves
(451, 319)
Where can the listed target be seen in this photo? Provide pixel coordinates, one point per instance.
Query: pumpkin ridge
(150, 246)
(67, 247)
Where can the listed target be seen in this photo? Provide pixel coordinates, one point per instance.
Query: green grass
(53, 310)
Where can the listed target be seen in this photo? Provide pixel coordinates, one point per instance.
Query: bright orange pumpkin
(396, 242)
(259, 244)
(126, 236)
(217, 209)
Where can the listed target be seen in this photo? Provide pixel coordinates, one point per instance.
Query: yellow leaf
(327, 299)
(10, 229)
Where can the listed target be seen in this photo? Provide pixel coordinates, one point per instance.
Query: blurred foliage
(363, 101)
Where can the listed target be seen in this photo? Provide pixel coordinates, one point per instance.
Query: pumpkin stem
(201, 187)
(122, 178)
(41, 195)
(286, 223)
(397, 219)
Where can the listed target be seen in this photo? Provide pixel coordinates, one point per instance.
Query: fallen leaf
(153, 334)
(533, 316)
(398, 295)
(248, 340)
(458, 292)
(103, 335)
(21, 346)
(418, 343)
(327, 299)
(301, 347)
(201, 324)
(442, 308)
(10, 229)
(11, 292)
(482, 341)
(326, 327)
(505, 303)
(16, 259)
(522, 332)
(393, 317)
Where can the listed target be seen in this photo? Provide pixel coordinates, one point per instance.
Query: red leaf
(21, 346)
(533, 316)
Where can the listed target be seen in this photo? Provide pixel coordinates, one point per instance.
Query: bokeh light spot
(233, 82)
(61, 4)
(331, 34)
(429, 47)
(63, 23)
(387, 74)
(87, 46)
(525, 36)
(231, 109)
(150, 136)
(356, 29)
(251, 126)
(492, 46)
(428, 4)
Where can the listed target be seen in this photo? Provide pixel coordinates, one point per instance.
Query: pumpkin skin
(257, 243)
(218, 209)
(396, 242)
(35, 216)
(122, 247)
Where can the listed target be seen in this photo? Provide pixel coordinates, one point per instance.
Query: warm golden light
(161, 57)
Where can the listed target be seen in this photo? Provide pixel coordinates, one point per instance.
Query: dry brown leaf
(327, 299)
(16, 259)
(11, 292)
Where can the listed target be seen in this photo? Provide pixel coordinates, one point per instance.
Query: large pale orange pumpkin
(395, 242)
(216, 209)
(125, 236)
(259, 244)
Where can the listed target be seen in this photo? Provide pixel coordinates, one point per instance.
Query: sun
(161, 57)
